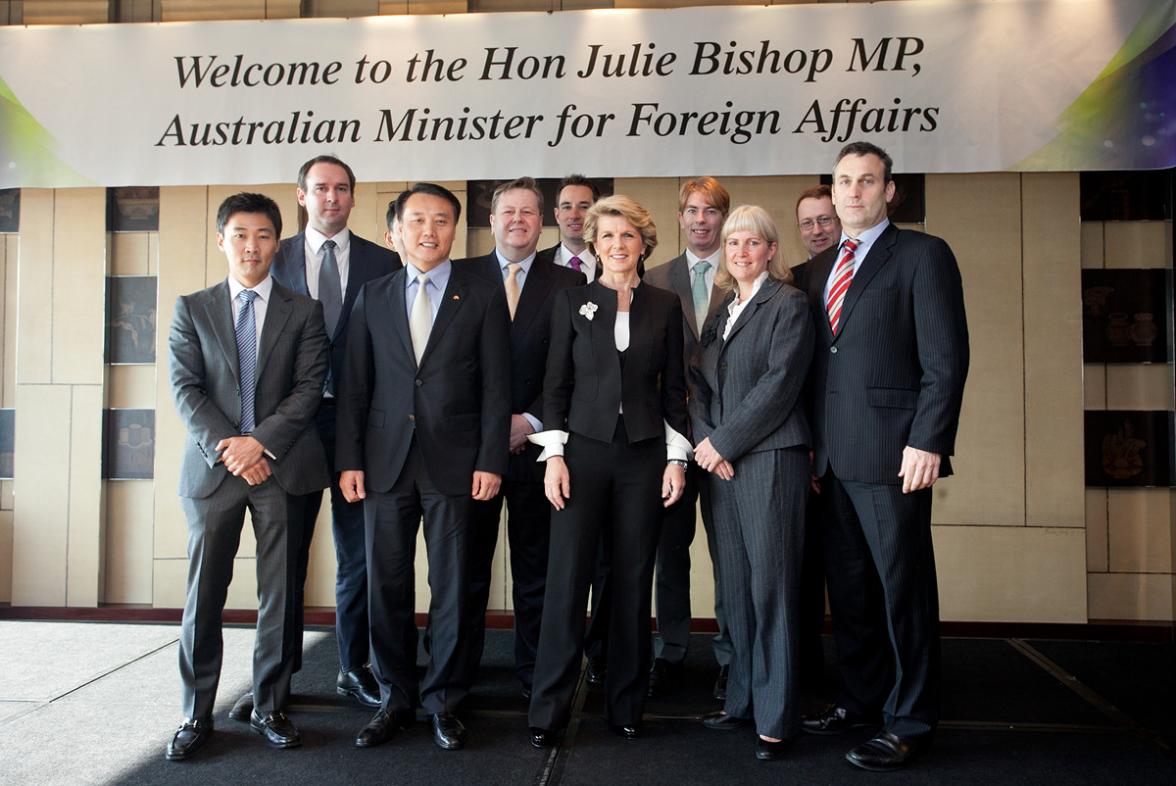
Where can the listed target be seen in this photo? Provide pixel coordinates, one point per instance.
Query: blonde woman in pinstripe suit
(753, 439)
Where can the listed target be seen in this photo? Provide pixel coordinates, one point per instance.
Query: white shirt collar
(263, 289)
(315, 239)
(692, 259)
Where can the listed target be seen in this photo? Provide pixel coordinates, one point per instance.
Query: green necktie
(701, 292)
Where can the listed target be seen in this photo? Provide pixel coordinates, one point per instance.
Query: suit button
(419, 382)
(833, 350)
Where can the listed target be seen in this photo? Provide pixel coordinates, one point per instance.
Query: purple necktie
(575, 264)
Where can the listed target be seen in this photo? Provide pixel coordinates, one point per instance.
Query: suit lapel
(357, 261)
(879, 255)
(679, 277)
(450, 302)
(220, 315)
(277, 312)
(399, 310)
(765, 293)
(535, 290)
(603, 325)
(294, 259)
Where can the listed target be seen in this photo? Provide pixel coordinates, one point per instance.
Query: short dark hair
(523, 183)
(432, 189)
(577, 180)
(867, 149)
(248, 203)
(304, 170)
(390, 215)
(816, 192)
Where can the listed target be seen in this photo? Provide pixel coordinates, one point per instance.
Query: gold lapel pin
(457, 297)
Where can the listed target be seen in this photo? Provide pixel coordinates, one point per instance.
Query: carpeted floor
(95, 703)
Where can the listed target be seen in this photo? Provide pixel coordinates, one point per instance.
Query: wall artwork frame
(1129, 448)
(1126, 315)
(131, 319)
(128, 439)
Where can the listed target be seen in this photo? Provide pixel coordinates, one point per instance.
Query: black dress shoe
(770, 751)
(626, 732)
(885, 752)
(192, 733)
(721, 721)
(382, 727)
(665, 677)
(834, 720)
(359, 683)
(278, 730)
(542, 738)
(448, 732)
(243, 708)
(720, 691)
(594, 674)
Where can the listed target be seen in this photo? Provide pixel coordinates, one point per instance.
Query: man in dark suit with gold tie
(887, 382)
(530, 282)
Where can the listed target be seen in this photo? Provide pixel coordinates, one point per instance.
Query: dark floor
(96, 703)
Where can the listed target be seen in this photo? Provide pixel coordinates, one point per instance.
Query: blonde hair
(754, 219)
(628, 209)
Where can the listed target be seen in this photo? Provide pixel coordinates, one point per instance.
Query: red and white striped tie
(842, 276)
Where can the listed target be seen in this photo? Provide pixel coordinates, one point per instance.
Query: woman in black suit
(753, 439)
(614, 412)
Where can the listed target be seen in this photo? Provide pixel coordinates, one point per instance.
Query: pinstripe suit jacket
(291, 365)
(746, 391)
(894, 374)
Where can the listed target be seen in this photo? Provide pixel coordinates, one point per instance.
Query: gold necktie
(512, 287)
(420, 322)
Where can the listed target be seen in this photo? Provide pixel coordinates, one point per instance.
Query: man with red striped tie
(887, 383)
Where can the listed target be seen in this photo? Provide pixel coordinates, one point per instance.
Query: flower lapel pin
(588, 310)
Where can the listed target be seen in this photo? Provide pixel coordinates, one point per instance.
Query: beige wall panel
(134, 387)
(1092, 244)
(501, 578)
(79, 285)
(130, 509)
(190, 10)
(489, 6)
(320, 574)
(778, 196)
(86, 503)
(659, 195)
(1140, 530)
(1130, 596)
(1138, 243)
(130, 253)
(1097, 560)
(1094, 385)
(367, 219)
(217, 267)
(980, 217)
(548, 237)
(41, 520)
(6, 498)
(580, 5)
(35, 311)
(171, 578)
(66, 12)
(1041, 575)
(479, 242)
(702, 582)
(392, 7)
(1139, 386)
(153, 253)
(343, 7)
(1054, 468)
(183, 236)
(6, 556)
(421, 574)
(437, 6)
(11, 246)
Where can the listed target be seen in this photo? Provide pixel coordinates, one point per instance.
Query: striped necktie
(842, 277)
(247, 357)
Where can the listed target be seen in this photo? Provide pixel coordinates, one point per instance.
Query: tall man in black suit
(703, 205)
(576, 194)
(424, 426)
(887, 382)
(516, 211)
(248, 358)
(330, 263)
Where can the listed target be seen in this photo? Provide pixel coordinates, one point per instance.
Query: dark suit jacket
(894, 374)
(365, 261)
(586, 383)
(675, 276)
(746, 391)
(456, 404)
(529, 333)
(291, 365)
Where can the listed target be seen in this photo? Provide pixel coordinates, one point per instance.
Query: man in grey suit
(703, 204)
(887, 383)
(330, 263)
(248, 358)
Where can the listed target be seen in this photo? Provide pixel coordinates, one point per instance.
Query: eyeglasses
(824, 221)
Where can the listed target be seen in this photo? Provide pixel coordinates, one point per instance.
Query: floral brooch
(588, 310)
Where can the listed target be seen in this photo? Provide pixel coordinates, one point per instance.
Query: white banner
(944, 86)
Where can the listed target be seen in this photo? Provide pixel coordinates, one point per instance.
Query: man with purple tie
(576, 195)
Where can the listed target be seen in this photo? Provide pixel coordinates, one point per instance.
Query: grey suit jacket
(675, 276)
(291, 365)
(746, 391)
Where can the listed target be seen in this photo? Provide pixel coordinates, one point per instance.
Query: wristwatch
(679, 462)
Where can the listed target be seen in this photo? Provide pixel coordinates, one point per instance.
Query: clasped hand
(709, 459)
(243, 457)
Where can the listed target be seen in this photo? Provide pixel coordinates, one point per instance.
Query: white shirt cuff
(678, 448)
(534, 421)
(552, 443)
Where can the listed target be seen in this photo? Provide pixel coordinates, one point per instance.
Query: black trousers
(391, 521)
(615, 485)
(351, 611)
(528, 531)
(880, 569)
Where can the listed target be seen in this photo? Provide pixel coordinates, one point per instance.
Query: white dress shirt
(260, 303)
(736, 307)
(563, 256)
(313, 250)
